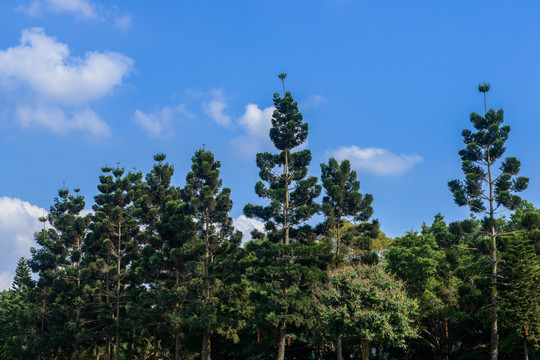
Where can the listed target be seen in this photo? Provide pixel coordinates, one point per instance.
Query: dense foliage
(157, 271)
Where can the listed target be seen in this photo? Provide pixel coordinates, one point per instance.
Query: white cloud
(18, 223)
(55, 119)
(45, 66)
(216, 106)
(159, 123)
(247, 225)
(375, 160)
(256, 123)
(84, 8)
(44, 79)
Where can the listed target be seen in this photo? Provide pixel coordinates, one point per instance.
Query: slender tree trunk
(156, 350)
(339, 349)
(364, 349)
(338, 243)
(286, 207)
(281, 344)
(206, 346)
(525, 350)
(108, 299)
(494, 262)
(176, 345)
(118, 264)
(176, 334)
(131, 336)
(494, 315)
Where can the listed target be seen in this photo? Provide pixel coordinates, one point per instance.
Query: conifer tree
(209, 205)
(291, 194)
(22, 280)
(488, 191)
(163, 266)
(58, 265)
(521, 272)
(149, 272)
(111, 247)
(344, 202)
(521, 297)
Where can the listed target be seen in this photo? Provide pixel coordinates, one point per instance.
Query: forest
(157, 271)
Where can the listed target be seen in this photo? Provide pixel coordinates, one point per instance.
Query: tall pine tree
(210, 205)
(284, 183)
(488, 191)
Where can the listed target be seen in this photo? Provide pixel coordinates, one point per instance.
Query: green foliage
(365, 306)
(209, 204)
(342, 203)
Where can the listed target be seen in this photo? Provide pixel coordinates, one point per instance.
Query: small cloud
(376, 160)
(45, 67)
(55, 119)
(19, 220)
(246, 226)
(256, 123)
(84, 8)
(80, 7)
(159, 123)
(312, 102)
(215, 108)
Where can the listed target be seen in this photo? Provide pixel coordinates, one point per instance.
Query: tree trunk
(156, 350)
(494, 351)
(281, 344)
(118, 265)
(525, 351)
(176, 345)
(286, 207)
(339, 349)
(364, 349)
(206, 346)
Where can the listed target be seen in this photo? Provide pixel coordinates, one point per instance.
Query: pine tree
(521, 271)
(23, 276)
(209, 205)
(112, 247)
(291, 194)
(343, 202)
(486, 191)
(160, 268)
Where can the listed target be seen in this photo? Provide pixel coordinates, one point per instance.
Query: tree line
(158, 271)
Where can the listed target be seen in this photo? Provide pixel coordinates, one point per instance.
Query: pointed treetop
(282, 77)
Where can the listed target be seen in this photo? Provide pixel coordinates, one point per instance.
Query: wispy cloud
(215, 108)
(160, 122)
(18, 223)
(84, 8)
(46, 81)
(56, 120)
(376, 160)
(312, 102)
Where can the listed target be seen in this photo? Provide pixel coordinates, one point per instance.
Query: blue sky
(389, 85)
